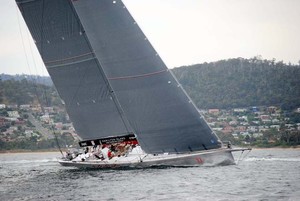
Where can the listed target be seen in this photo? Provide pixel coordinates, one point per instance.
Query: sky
(183, 32)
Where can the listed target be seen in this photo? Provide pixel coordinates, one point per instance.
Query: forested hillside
(45, 80)
(27, 92)
(241, 82)
(223, 84)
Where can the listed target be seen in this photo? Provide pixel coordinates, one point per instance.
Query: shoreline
(276, 148)
(17, 151)
(56, 150)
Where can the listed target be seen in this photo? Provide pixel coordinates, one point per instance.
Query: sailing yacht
(115, 85)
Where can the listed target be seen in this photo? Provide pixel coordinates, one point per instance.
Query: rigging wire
(246, 155)
(242, 158)
(34, 78)
(23, 43)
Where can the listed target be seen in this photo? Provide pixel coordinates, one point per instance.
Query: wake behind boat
(114, 83)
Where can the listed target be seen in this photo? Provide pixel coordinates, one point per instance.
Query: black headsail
(73, 67)
(158, 110)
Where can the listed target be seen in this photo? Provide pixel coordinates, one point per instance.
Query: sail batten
(137, 76)
(69, 63)
(70, 58)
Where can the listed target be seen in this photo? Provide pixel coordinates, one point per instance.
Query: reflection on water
(263, 175)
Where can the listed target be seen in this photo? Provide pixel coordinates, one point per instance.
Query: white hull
(202, 158)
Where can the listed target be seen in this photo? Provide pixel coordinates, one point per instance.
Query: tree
(247, 138)
(241, 83)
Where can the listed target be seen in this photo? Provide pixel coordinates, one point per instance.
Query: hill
(241, 83)
(45, 80)
(223, 84)
(25, 91)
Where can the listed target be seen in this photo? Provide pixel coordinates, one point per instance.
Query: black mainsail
(112, 80)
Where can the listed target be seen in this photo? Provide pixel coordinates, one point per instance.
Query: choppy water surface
(263, 175)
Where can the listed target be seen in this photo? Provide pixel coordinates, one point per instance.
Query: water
(263, 175)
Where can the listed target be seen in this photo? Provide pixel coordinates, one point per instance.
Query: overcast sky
(183, 32)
